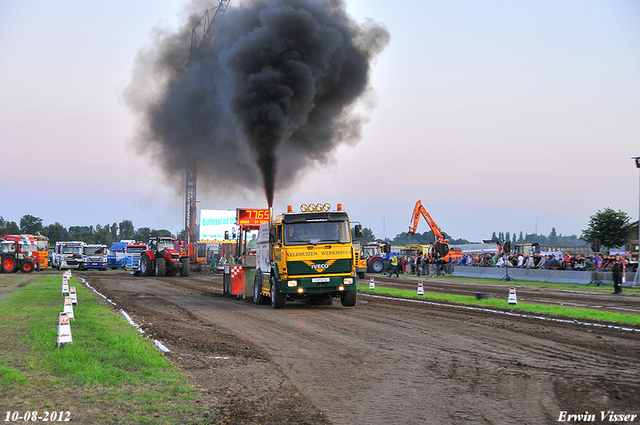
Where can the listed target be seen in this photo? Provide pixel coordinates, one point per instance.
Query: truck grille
(319, 267)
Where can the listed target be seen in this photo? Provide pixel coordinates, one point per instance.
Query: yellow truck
(307, 255)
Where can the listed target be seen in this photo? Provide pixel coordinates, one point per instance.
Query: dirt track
(383, 361)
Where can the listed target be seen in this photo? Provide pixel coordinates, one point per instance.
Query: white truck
(68, 255)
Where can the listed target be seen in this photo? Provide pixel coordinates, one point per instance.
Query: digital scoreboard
(251, 217)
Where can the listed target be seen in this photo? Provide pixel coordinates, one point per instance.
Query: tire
(349, 298)
(27, 266)
(377, 265)
(278, 299)
(161, 267)
(8, 264)
(171, 272)
(185, 269)
(257, 286)
(361, 275)
(145, 265)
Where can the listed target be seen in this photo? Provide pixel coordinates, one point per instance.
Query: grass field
(569, 312)
(109, 374)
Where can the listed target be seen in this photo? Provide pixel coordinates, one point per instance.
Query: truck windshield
(94, 250)
(317, 233)
(134, 249)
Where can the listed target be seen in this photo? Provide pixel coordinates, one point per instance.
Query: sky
(500, 116)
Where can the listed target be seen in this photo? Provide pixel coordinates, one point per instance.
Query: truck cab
(68, 255)
(115, 255)
(131, 259)
(95, 257)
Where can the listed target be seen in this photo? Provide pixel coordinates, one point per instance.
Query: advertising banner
(214, 224)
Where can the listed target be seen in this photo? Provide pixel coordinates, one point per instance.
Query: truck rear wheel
(278, 299)
(161, 267)
(185, 269)
(349, 298)
(257, 288)
(8, 264)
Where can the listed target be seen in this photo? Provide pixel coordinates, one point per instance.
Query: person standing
(618, 270)
(394, 266)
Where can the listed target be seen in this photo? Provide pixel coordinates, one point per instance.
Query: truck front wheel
(348, 298)
(278, 299)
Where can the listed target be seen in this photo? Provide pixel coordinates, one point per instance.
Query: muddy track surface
(384, 361)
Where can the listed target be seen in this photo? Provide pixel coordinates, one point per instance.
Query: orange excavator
(440, 250)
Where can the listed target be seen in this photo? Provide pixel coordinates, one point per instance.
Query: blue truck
(95, 257)
(131, 259)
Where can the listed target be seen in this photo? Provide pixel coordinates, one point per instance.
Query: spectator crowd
(602, 262)
(421, 265)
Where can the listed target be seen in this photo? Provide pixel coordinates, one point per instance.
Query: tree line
(428, 238)
(107, 234)
(609, 228)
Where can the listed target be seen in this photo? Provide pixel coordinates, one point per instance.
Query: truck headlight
(347, 281)
(292, 283)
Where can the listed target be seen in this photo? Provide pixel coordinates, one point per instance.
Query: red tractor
(14, 258)
(164, 258)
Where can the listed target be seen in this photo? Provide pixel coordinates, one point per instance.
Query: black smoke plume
(273, 94)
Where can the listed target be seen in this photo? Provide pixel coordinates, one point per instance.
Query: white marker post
(68, 308)
(65, 286)
(512, 296)
(64, 330)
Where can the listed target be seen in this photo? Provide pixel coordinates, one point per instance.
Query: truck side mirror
(226, 234)
(387, 248)
(357, 231)
(273, 234)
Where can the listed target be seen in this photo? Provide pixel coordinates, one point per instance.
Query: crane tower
(201, 35)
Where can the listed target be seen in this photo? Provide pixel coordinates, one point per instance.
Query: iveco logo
(320, 266)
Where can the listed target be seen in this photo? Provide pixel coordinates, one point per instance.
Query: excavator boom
(418, 210)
